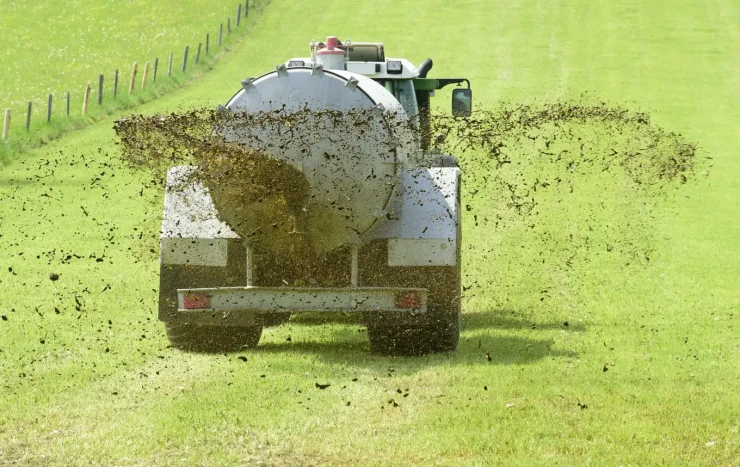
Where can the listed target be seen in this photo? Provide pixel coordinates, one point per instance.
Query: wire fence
(149, 74)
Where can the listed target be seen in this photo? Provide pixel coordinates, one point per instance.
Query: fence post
(67, 103)
(48, 110)
(115, 85)
(246, 9)
(185, 58)
(238, 14)
(145, 75)
(228, 25)
(208, 40)
(169, 67)
(86, 99)
(133, 78)
(197, 56)
(220, 34)
(156, 65)
(6, 124)
(28, 116)
(100, 90)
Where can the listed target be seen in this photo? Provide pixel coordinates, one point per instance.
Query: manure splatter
(558, 194)
(548, 189)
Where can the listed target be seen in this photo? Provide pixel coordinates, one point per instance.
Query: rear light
(196, 301)
(408, 300)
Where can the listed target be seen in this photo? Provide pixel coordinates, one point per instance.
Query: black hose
(424, 68)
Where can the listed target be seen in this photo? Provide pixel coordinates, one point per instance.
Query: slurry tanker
(381, 212)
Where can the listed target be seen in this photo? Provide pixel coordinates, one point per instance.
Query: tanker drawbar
(335, 202)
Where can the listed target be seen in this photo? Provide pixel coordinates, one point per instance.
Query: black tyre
(416, 339)
(438, 330)
(272, 319)
(199, 338)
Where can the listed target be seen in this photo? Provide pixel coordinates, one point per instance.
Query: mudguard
(421, 227)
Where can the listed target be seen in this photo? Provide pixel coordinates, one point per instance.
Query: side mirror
(462, 102)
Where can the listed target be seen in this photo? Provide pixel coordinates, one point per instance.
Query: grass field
(87, 39)
(54, 48)
(645, 372)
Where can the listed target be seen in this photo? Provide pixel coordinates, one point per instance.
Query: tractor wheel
(270, 320)
(201, 338)
(438, 330)
(416, 339)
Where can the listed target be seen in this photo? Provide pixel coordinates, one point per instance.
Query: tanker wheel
(203, 338)
(442, 336)
(198, 337)
(438, 330)
(273, 319)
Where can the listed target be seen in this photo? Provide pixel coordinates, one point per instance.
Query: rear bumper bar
(240, 305)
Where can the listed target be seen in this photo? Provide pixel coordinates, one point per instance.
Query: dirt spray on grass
(557, 194)
(244, 183)
(549, 190)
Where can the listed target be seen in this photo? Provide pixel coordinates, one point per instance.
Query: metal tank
(352, 173)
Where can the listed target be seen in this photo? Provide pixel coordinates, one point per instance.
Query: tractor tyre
(212, 339)
(272, 319)
(437, 330)
(200, 337)
(416, 339)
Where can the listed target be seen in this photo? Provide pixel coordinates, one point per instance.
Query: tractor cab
(408, 84)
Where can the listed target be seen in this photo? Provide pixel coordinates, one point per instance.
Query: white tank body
(350, 159)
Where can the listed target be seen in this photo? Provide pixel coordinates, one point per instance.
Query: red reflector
(408, 300)
(195, 301)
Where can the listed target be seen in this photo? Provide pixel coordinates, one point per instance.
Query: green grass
(113, 393)
(107, 37)
(54, 48)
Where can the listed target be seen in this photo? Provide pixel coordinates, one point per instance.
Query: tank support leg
(355, 275)
(249, 248)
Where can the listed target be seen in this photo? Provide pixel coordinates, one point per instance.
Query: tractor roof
(371, 69)
(363, 58)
